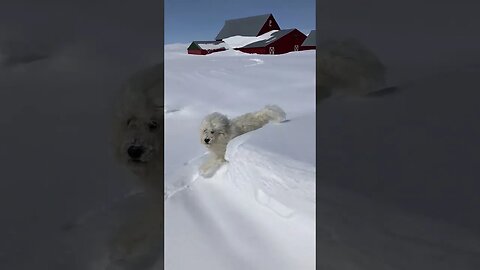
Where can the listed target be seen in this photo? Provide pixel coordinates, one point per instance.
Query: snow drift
(257, 212)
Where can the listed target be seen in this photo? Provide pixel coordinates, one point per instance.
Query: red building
(280, 42)
(310, 42)
(250, 26)
(206, 47)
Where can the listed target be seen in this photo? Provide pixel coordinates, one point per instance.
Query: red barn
(282, 41)
(249, 26)
(310, 42)
(206, 47)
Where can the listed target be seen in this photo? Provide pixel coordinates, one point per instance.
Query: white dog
(138, 127)
(216, 130)
(138, 144)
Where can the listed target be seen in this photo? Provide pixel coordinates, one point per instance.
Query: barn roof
(248, 26)
(206, 45)
(311, 39)
(275, 36)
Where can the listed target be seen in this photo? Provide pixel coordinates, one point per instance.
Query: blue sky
(187, 20)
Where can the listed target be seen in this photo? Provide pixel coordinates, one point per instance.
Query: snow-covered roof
(242, 41)
(248, 26)
(274, 36)
(208, 45)
(311, 39)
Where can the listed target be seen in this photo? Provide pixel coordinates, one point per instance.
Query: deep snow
(257, 211)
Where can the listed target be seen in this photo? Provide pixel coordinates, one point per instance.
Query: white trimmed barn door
(271, 50)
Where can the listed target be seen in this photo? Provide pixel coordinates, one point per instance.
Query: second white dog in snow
(216, 130)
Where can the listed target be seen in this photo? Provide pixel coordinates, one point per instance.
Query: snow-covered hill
(257, 212)
(232, 83)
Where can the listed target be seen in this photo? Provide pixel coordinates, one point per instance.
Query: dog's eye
(129, 121)
(152, 125)
(212, 131)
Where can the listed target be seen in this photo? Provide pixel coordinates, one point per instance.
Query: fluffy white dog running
(216, 130)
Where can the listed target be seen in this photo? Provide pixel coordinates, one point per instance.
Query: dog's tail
(273, 113)
(252, 121)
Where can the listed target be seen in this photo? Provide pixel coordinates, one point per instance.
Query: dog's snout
(135, 151)
(207, 140)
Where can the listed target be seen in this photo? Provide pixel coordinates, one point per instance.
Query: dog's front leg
(211, 165)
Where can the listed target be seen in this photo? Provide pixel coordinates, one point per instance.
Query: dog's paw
(210, 167)
(207, 171)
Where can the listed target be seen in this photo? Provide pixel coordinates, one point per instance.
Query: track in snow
(243, 211)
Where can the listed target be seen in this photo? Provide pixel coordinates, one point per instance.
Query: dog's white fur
(138, 122)
(216, 130)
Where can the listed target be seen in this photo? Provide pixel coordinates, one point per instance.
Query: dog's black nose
(135, 151)
(207, 140)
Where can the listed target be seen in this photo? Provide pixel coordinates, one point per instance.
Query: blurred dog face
(214, 130)
(137, 126)
(138, 142)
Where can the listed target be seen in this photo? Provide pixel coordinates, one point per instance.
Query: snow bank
(257, 211)
(237, 87)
